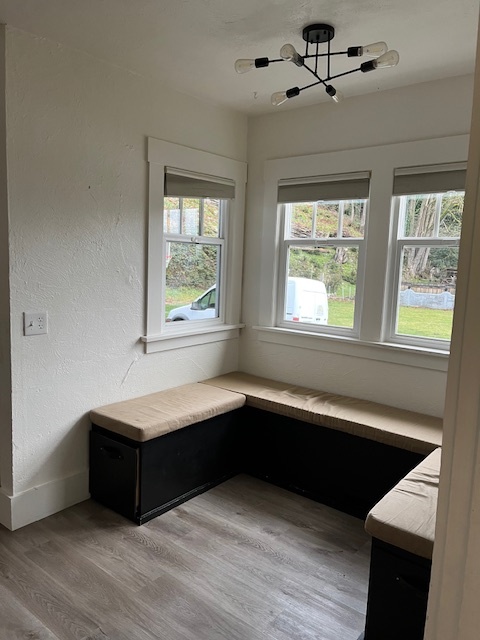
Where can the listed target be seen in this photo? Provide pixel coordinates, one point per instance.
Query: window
(360, 205)
(323, 252)
(196, 213)
(427, 214)
(194, 231)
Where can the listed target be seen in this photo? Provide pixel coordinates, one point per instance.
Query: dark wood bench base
(397, 594)
(343, 471)
(141, 480)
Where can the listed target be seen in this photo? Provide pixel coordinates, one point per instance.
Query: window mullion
(201, 213)
(378, 250)
(314, 224)
(180, 205)
(438, 210)
(341, 209)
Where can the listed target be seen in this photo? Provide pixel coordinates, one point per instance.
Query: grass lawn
(340, 313)
(428, 323)
(179, 297)
(412, 321)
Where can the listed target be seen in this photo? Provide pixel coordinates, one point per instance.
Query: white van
(306, 301)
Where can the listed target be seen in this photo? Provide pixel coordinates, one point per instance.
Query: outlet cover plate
(34, 323)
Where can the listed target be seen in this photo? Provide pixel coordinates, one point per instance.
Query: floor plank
(243, 561)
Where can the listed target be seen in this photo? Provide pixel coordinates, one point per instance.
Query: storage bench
(402, 526)
(341, 451)
(152, 453)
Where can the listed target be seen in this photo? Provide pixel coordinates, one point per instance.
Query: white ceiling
(191, 45)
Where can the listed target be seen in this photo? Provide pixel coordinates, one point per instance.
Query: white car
(201, 308)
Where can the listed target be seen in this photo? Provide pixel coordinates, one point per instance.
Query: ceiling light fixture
(314, 35)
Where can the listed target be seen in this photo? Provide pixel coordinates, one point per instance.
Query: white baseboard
(39, 502)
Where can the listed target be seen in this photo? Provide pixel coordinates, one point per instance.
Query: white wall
(5, 371)
(430, 110)
(76, 151)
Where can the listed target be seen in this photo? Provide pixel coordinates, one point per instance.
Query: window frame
(161, 336)
(338, 241)
(218, 241)
(399, 243)
(381, 161)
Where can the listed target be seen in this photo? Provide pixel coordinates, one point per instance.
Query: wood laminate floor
(244, 561)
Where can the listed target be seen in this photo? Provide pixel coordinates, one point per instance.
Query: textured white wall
(5, 373)
(76, 148)
(430, 110)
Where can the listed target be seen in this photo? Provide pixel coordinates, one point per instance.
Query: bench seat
(389, 425)
(402, 526)
(152, 453)
(405, 516)
(150, 416)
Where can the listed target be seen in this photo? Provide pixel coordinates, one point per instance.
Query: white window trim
(163, 154)
(381, 161)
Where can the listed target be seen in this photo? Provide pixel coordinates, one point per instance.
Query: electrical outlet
(34, 323)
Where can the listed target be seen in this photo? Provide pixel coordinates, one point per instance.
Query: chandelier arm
(328, 59)
(324, 55)
(314, 73)
(346, 73)
(314, 84)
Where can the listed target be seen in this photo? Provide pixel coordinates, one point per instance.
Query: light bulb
(336, 96)
(244, 64)
(279, 98)
(288, 52)
(375, 49)
(388, 59)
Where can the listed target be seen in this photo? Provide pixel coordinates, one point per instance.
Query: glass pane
(427, 292)
(301, 220)
(451, 214)
(211, 218)
(191, 281)
(326, 222)
(171, 215)
(419, 215)
(354, 218)
(331, 270)
(191, 217)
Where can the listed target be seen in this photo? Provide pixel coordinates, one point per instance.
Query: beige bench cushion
(405, 516)
(154, 415)
(389, 425)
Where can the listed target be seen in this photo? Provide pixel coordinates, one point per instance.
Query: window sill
(191, 337)
(422, 358)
